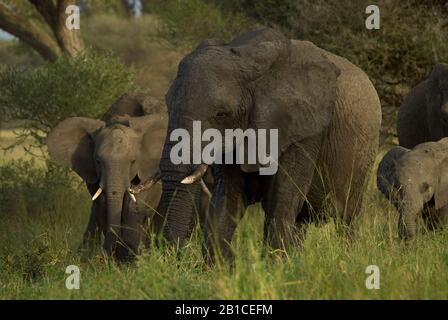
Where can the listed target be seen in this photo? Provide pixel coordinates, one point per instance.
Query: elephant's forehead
(114, 140)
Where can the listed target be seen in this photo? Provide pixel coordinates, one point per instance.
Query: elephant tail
(386, 178)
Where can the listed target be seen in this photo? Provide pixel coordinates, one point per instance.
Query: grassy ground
(38, 244)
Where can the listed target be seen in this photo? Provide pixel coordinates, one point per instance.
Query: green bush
(188, 22)
(84, 86)
(30, 190)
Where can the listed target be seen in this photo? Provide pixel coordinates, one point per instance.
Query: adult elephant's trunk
(179, 201)
(114, 195)
(178, 205)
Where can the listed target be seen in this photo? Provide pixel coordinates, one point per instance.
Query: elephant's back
(357, 97)
(411, 125)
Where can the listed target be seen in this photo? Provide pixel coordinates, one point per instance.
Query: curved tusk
(205, 189)
(152, 180)
(196, 175)
(131, 195)
(97, 194)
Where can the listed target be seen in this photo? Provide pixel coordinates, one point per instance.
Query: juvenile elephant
(328, 117)
(423, 115)
(115, 158)
(416, 182)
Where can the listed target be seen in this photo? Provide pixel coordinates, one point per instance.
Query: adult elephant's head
(437, 101)
(257, 81)
(114, 156)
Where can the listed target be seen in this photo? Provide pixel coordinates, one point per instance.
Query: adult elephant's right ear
(295, 88)
(70, 143)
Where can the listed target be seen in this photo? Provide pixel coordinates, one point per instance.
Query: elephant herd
(328, 117)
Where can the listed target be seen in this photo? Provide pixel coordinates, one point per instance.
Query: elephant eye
(220, 115)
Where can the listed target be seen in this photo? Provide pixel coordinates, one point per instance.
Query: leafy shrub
(154, 61)
(84, 86)
(187, 22)
(29, 190)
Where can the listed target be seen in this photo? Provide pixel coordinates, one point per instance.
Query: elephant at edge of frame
(423, 115)
(415, 181)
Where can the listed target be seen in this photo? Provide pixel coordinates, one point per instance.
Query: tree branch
(29, 33)
(69, 40)
(47, 10)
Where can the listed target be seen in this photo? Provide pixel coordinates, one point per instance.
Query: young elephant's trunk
(407, 223)
(115, 189)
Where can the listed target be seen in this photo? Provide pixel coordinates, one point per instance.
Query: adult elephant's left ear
(294, 91)
(151, 130)
(71, 143)
(441, 189)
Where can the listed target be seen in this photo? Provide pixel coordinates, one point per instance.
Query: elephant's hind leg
(92, 234)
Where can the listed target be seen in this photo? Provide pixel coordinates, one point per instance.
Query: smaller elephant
(423, 115)
(416, 182)
(116, 158)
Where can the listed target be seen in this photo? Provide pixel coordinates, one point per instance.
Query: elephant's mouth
(137, 186)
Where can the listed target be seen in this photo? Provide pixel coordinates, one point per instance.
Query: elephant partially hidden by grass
(116, 156)
(328, 117)
(416, 182)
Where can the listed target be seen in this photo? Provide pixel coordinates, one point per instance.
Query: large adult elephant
(423, 115)
(116, 156)
(326, 110)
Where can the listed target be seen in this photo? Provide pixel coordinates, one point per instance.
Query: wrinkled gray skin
(328, 115)
(116, 153)
(416, 182)
(423, 115)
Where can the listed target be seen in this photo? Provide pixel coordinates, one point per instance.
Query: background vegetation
(44, 208)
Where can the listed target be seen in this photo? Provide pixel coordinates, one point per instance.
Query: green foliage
(83, 86)
(187, 22)
(26, 189)
(36, 251)
(111, 7)
(40, 207)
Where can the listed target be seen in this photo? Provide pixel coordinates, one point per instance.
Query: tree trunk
(29, 33)
(69, 41)
(65, 41)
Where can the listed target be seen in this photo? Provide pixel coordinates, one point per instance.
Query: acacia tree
(41, 25)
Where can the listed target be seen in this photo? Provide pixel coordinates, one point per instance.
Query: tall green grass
(38, 245)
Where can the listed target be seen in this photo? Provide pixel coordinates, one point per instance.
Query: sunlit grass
(35, 250)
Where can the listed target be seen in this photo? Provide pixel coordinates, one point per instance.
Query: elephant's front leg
(225, 210)
(92, 234)
(288, 191)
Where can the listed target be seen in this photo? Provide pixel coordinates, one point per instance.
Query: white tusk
(205, 189)
(196, 175)
(188, 180)
(132, 196)
(97, 194)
